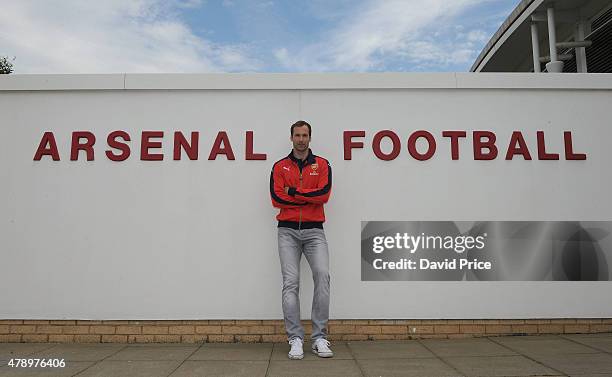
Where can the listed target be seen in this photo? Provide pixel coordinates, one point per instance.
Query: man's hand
(287, 190)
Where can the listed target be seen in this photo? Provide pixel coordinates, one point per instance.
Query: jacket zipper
(300, 223)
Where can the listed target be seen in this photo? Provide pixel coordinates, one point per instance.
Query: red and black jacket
(309, 183)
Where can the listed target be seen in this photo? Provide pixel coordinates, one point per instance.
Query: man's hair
(301, 123)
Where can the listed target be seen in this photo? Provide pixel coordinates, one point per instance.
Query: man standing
(299, 185)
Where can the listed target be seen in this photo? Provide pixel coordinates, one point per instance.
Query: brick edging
(256, 331)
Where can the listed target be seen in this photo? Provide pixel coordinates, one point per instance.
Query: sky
(197, 36)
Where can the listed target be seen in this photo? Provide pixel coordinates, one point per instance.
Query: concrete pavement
(548, 355)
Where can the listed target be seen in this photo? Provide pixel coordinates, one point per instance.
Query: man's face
(300, 138)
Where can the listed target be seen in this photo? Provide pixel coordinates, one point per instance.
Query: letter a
(222, 146)
(43, 150)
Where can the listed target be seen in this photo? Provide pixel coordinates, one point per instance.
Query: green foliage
(6, 65)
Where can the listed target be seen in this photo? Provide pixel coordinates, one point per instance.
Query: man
(299, 185)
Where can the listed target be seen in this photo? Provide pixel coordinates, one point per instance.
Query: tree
(6, 65)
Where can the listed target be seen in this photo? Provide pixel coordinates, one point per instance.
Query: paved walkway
(549, 355)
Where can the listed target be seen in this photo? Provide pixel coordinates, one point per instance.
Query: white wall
(197, 239)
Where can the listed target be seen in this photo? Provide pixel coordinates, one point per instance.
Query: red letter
(489, 144)
(249, 148)
(87, 147)
(542, 155)
(454, 135)
(521, 148)
(110, 140)
(412, 145)
(569, 151)
(145, 144)
(217, 149)
(180, 141)
(42, 150)
(394, 140)
(349, 144)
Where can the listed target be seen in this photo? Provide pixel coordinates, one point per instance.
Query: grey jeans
(291, 244)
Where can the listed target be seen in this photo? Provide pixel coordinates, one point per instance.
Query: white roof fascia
(305, 81)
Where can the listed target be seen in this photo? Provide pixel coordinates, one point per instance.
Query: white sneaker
(320, 347)
(296, 352)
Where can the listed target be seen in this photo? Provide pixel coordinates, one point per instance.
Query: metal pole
(535, 47)
(561, 57)
(574, 44)
(554, 65)
(552, 34)
(581, 63)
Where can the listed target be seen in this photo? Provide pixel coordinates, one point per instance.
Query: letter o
(394, 139)
(431, 141)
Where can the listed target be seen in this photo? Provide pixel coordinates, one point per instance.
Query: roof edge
(304, 81)
(514, 15)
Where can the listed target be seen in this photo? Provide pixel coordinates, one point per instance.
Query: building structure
(579, 30)
(142, 239)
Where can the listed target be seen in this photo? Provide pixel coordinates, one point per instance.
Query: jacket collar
(310, 159)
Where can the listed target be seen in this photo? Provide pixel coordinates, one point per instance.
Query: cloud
(74, 36)
(191, 4)
(478, 36)
(382, 31)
